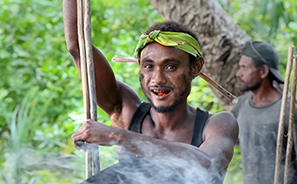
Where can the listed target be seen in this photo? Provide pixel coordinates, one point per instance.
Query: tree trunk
(221, 40)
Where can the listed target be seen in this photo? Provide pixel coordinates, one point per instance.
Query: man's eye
(148, 66)
(170, 67)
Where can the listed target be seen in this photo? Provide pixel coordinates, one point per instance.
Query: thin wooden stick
(86, 98)
(291, 122)
(280, 133)
(91, 76)
(88, 79)
(82, 48)
(232, 98)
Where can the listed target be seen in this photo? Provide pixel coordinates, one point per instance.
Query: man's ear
(197, 66)
(264, 71)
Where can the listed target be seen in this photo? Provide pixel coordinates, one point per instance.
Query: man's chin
(250, 88)
(164, 109)
(161, 107)
(243, 89)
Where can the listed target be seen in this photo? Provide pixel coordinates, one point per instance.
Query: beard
(250, 88)
(164, 109)
(180, 96)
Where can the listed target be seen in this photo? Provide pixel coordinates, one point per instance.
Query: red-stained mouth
(161, 92)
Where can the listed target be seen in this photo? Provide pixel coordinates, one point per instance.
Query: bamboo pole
(291, 122)
(91, 76)
(86, 98)
(280, 133)
(88, 79)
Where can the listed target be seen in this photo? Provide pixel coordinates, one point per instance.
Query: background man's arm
(111, 94)
(214, 154)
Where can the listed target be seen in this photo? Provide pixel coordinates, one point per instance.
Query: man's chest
(182, 134)
(258, 128)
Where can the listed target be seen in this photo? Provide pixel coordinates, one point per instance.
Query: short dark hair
(259, 64)
(174, 27)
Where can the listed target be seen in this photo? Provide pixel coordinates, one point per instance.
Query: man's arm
(111, 94)
(214, 154)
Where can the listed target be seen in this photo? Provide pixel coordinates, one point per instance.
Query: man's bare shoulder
(224, 114)
(222, 123)
(220, 135)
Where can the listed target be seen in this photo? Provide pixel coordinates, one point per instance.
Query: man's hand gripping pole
(88, 80)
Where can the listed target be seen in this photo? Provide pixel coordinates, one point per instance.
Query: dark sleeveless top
(144, 109)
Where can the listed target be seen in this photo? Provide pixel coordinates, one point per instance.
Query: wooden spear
(88, 79)
(280, 133)
(291, 122)
(91, 76)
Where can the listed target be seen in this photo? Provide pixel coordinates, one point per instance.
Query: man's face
(165, 76)
(248, 76)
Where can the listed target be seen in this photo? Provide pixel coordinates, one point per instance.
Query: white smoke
(163, 167)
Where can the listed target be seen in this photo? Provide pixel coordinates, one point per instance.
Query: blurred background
(40, 89)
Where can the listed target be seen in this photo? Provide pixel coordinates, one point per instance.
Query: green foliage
(40, 88)
(21, 160)
(202, 96)
(234, 174)
(33, 55)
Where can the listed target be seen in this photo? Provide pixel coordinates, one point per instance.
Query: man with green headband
(166, 140)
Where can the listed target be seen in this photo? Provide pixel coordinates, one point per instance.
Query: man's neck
(181, 115)
(266, 93)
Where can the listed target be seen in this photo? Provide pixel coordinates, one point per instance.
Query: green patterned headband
(182, 41)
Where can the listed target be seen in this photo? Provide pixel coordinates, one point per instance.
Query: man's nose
(159, 77)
